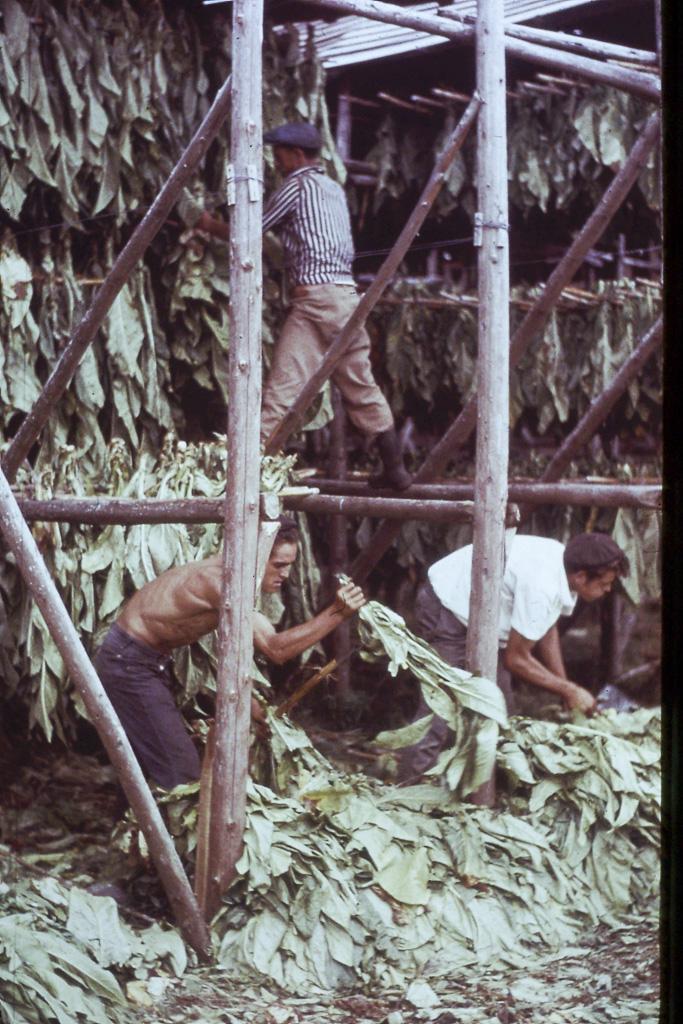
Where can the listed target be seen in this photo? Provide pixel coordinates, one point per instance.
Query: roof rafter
(640, 83)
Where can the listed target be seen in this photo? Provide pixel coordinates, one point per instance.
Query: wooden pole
(463, 425)
(131, 511)
(293, 416)
(572, 492)
(493, 379)
(266, 537)
(599, 409)
(146, 231)
(102, 715)
(340, 640)
(493, 376)
(636, 82)
(235, 631)
(400, 509)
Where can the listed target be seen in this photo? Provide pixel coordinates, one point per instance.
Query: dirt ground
(610, 977)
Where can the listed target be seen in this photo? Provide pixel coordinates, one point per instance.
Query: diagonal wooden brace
(125, 264)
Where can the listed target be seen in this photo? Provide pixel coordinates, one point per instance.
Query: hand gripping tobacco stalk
(295, 697)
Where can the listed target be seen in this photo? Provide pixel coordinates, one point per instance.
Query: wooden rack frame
(240, 509)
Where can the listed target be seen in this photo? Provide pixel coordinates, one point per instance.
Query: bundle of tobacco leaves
(428, 353)
(473, 707)
(558, 148)
(97, 104)
(345, 881)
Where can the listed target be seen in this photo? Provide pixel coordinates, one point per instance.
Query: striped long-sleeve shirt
(310, 212)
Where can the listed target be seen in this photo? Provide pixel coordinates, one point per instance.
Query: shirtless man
(181, 605)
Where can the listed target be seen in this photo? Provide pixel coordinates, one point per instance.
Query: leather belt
(302, 289)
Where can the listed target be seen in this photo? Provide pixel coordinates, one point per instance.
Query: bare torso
(176, 608)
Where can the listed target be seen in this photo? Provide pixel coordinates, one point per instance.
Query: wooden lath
(640, 83)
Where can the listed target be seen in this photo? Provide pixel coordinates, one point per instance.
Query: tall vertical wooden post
(338, 548)
(235, 631)
(491, 234)
(343, 132)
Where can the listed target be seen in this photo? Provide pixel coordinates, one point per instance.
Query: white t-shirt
(535, 588)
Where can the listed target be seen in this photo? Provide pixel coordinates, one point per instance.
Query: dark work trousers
(138, 680)
(448, 636)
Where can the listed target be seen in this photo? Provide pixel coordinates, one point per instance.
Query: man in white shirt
(542, 581)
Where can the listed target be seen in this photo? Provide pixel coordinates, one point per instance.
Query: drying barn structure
(493, 48)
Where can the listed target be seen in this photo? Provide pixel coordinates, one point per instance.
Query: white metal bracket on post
(478, 226)
(230, 184)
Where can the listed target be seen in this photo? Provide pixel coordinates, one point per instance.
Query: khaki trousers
(318, 313)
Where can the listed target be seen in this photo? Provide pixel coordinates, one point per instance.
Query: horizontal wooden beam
(432, 502)
(647, 496)
(425, 510)
(133, 511)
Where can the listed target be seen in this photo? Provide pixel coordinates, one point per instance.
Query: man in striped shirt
(310, 213)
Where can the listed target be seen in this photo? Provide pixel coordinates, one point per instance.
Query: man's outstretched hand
(348, 599)
(581, 700)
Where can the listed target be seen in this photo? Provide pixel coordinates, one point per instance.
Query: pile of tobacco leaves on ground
(349, 887)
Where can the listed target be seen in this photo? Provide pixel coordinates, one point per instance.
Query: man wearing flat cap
(310, 213)
(541, 582)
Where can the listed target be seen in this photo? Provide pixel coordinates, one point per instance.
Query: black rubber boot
(394, 475)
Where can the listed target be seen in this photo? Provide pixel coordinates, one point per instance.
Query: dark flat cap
(299, 133)
(592, 551)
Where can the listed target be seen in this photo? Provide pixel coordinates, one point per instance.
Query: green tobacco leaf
(94, 921)
(395, 739)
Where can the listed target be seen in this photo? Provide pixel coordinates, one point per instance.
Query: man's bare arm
(549, 652)
(520, 661)
(280, 647)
